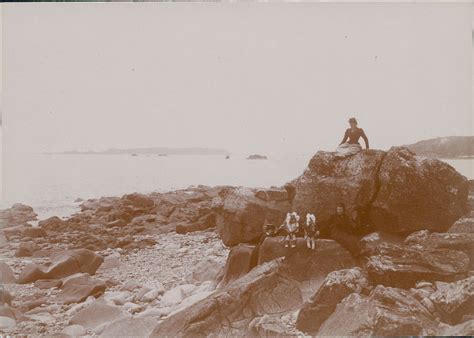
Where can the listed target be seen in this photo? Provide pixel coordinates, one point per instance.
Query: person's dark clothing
(310, 230)
(342, 230)
(352, 136)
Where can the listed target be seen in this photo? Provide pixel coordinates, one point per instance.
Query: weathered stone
(384, 312)
(329, 180)
(63, 264)
(418, 193)
(266, 289)
(241, 215)
(130, 327)
(337, 286)
(18, 214)
(205, 270)
(6, 274)
(241, 259)
(463, 225)
(454, 300)
(48, 283)
(26, 249)
(74, 331)
(465, 329)
(403, 266)
(79, 287)
(98, 314)
(310, 266)
(457, 241)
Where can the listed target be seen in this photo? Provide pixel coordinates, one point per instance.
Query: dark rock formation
(18, 214)
(418, 193)
(457, 241)
(64, 264)
(329, 180)
(337, 286)
(241, 213)
(384, 312)
(242, 258)
(403, 192)
(403, 266)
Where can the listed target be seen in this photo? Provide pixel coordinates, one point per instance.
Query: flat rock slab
(403, 266)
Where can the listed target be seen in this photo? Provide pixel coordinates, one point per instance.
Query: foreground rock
(276, 287)
(63, 264)
(266, 289)
(242, 212)
(384, 312)
(455, 300)
(98, 315)
(337, 286)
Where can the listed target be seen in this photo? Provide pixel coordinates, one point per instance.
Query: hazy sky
(258, 78)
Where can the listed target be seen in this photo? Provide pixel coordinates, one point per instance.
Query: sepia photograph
(237, 169)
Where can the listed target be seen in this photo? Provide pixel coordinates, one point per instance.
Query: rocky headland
(194, 262)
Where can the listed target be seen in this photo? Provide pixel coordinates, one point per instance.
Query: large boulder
(275, 287)
(310, 267)
(241, 259)
(77, 288)
(337, 286)
(418, 193)
(63, 264)
(457, 241)
(384, 312)
(402, 266)
(267, 289)
(18, 214)
(242, 212)
(329, 179)
(454, 300)
(402, 192)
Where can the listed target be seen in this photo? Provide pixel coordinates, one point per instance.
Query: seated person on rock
(340, 228)
(350, 143)
(310, 231)
(290, 226)
(361, 221)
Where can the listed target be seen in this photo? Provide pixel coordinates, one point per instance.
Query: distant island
(445, 147)
(257, 157)
(160, 151)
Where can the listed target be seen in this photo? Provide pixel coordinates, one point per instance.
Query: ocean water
(52, 183)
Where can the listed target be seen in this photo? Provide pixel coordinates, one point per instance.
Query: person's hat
(352, 120)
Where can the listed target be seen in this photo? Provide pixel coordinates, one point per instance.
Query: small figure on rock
(310, 232)
(269, 229)
(291, 227)
(350, 143)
